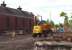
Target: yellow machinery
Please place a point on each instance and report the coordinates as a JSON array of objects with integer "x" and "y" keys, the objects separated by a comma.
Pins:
[
  {"x": 37, "y": 30},
  {"x": 46, "y": 26},
  {"x": 41, "y": 29}
]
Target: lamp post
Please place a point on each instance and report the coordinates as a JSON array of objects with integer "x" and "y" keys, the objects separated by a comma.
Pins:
[{"x": 50, "y": 15}]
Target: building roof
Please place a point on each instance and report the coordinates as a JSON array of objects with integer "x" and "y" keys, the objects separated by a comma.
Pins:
[{"x": 15, "y": 12}]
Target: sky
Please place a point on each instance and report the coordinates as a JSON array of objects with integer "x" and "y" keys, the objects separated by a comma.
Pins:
[{"x": 48, "y": 9}]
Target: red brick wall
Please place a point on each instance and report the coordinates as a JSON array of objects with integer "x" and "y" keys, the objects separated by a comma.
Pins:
[
  {"x": 13, "y": 23},
  {"x": 19, "y": 23},
  {"x": 3, "y": 21}
]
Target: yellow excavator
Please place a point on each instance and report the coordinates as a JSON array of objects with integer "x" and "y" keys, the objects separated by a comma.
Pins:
[{"x": 41, "y": 29}]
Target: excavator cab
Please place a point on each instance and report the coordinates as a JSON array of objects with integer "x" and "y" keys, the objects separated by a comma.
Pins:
[
  {"x": 41, "y": 29},
  {"x": 37, "y": 30}
]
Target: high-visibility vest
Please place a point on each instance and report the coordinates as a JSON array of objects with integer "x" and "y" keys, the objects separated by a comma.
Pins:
[{"x": 37, "y": 29}]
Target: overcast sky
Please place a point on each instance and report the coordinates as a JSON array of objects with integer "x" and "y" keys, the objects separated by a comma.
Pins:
[{"x": 48, "y": 9}]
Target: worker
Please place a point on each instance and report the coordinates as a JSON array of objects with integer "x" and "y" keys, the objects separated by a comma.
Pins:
[{"x": 61, "y": 28}]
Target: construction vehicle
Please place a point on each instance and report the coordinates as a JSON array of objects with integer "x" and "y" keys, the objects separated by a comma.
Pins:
[
  {"x": 37, "y": 30},
  {"x": 41, "y": 29},
  {"x": 45, "y": 29}
]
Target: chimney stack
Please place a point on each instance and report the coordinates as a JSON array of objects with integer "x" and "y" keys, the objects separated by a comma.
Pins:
[
  {"x": 3, "y": 4},
  {"x": 19, "y": 8}
]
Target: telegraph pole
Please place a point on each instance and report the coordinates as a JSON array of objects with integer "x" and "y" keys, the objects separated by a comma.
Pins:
[
  {"x": 50, "y": 15},
  {"x": 41, "y": 18}
]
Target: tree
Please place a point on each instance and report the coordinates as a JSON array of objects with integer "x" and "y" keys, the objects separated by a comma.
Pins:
[
  {"x": 63, "y": 14},
  {"x": 70, "y": 22},
  {"x": 52, "y": 23},
  {"x": 66, "y": 21},
  {"x": 47, "y": 21},
  {"x": 56, "y": 26}
]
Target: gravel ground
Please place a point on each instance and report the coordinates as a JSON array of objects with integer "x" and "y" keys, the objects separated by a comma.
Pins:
[{"x": 20, "y": 43}]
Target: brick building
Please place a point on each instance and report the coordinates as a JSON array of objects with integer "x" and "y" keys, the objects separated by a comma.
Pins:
[{"x": 15, "y": 19}]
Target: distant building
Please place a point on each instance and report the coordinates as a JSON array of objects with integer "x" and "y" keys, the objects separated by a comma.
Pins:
[{"x": 15, "y": 19}]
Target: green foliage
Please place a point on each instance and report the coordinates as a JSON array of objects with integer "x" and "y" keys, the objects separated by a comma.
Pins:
[
  {"x": 71, "y": 16},
  {"x": 52, "y": 23},
  {"x": 56, "y": 25},
  {"x": 70, "y": 23},
  {"x": 47, "y": 21},
  {"x": 65, "y": 19},
  {"x": 63, "y": 14}
]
